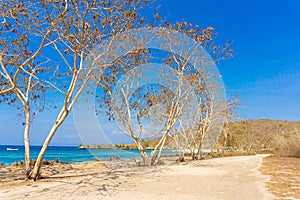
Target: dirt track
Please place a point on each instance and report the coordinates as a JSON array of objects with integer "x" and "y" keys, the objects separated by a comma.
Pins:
[{"x": 220, "y": 178}]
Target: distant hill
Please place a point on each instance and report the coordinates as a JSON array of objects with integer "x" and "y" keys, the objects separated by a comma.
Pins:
[
  {"x": 279, "y": 136},
  {"x": 266, "y": 126}
]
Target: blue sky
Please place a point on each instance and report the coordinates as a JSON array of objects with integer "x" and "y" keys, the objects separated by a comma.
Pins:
[{"x": 264, "y": 72}]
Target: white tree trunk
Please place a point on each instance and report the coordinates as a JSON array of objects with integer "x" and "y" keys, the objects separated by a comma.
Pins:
[
  {"x": 142, "y": 152},
  {"x": 27, "y": 141},
  {"x": 35, "y": 173}
]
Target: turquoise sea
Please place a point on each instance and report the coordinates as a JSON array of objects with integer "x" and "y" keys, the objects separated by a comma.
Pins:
[{"x": 13, "y": 153}]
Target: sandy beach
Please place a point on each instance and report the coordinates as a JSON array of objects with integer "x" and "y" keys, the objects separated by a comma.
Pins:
[{"x": 219, "y": 178}]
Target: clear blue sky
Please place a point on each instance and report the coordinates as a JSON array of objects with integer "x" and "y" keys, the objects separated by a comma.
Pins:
[{"x": 265, "y": 71}]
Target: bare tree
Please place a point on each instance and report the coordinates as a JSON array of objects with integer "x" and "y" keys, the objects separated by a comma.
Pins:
[
  {"x": 85, "y": 24},
  {"x": 52, "y": 45},
  {"x": 23, "y": 94},
  {"x": 173, "y": 83},
  {"x": 201, "y": 127},
  {"x": 231, "y": 107},
  {"x": 63, "y": 32},
  {"x": 21, "y": 61},
  {"x": 145, "y": 110}
]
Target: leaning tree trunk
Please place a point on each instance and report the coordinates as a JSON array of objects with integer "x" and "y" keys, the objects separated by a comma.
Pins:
[
  {"x": 159, "y": 146},
  {"x": 142, "y": 152},
  {"x": 27, "y": 141},
  {"x": 145, "y": 158},
  {"x": 35, "y": 173}
]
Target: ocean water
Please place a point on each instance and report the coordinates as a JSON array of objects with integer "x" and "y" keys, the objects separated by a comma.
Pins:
[{"x": 12, "y": 153}]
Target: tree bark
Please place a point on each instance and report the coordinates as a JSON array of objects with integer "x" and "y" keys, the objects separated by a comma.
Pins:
[
  {"x": 161, "y": 148},
  {"x": 200, "y": 152},
  {"x": 142, "y": 152},
  {"x": 27, "y": 141},
  {"x": 35, "y": 173}
]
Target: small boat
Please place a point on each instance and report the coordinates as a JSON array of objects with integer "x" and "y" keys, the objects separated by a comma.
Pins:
[{"x": 12, "y": 149}]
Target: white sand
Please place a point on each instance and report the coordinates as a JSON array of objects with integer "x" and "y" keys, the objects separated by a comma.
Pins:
[{"x": 220, "y": 178}]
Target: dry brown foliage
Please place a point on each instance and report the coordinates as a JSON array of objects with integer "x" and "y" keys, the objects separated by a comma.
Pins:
[{"x": 276, "y": 136}]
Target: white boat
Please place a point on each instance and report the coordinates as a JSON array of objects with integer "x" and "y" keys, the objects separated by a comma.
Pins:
[{"x": 12, "y": 149}]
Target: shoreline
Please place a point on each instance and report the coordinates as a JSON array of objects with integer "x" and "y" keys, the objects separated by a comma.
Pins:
[{"x": 70, "y": 154}]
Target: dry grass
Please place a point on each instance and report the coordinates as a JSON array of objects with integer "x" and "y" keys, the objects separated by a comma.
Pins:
[{"x": 284, "y": 175}]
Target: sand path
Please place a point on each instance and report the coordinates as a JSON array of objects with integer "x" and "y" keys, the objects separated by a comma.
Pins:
[{"x": 220, "y": 178}]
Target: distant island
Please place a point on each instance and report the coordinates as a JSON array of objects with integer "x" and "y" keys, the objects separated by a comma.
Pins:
[{"x": 147, "y": 144}]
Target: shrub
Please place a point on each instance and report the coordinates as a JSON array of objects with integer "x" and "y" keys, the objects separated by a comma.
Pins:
[{"x": 288, "y": 145}]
